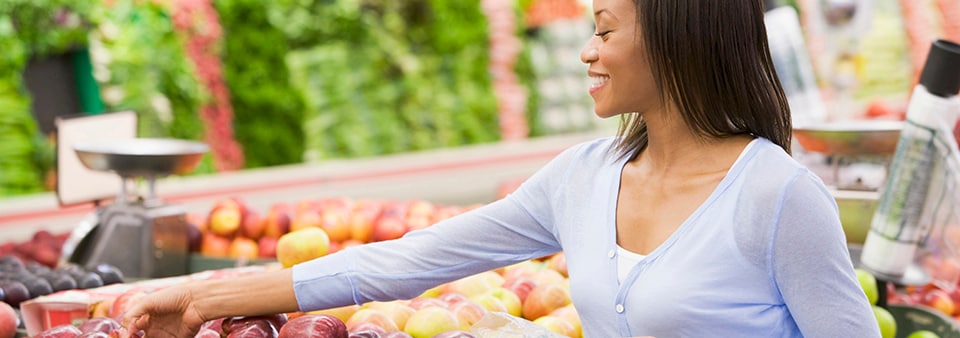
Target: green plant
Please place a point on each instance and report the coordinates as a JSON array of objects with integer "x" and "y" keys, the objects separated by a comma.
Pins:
[{"x": 268, "y": 112}]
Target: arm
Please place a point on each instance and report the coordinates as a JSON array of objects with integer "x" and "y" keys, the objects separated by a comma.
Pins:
[
  {"x": 178, "y": 311},
  {"x": 812, "y": 265}
]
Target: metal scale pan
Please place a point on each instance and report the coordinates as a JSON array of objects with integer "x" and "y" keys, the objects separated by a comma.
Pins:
[{"x": 143, "y": 237}]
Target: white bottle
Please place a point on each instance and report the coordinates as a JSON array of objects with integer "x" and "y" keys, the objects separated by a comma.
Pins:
[{"x": 897, "y": 231}]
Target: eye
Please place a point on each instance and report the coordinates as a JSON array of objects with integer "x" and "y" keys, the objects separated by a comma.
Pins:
[{"x": 602, "y": 34}]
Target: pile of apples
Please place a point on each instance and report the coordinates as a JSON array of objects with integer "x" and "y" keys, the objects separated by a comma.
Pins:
[{"x": 233, "y": 229}]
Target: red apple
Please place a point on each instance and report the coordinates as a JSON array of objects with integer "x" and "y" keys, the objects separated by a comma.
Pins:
[
  {"x": 545, "y": 298},
  {"x": 569, "y": 314},
  {"x": 214, "y": 245},
  {"x": 305, "y": 219},
  {"x": 207, "y": 333},
  {"x": 452, "y": 298},
  {"x": 343, "y": 313},
  {"x": 267, "y": 247},
  {"x": 398, "y": 311},
  {"x": 255, "y": 328},
  {"x": 521, "y": 286},
  {"x": 277, "y": 220},
  {"x": 940, "y": 300},
  {"x": 253, "y": 225},
  {"x": 60, "y": 331},
  {"x": 8, "y": 321},
  {"x": 100, "y": 324},
  {"x": 423, "y": 302},
  {"x": 474, "y": 284},
  {"x": 242, "y": 247},
  {"x": 388, "y": 227},
  {"x": 335, "y": 221},
  {"x": 362, "y": 219},
  {"x": 124, "y": 301},
  {"x": 321, "y": 326}
]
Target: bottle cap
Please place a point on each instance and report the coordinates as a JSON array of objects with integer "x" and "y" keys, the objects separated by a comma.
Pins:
[{"x": 941, "y": 72}]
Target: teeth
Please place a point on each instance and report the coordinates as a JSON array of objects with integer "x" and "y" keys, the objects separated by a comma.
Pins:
[{"x": 598, "y": 80}]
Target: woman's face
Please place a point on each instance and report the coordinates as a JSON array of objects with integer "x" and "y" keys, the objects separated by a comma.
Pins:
[{"x": 618, "y": 67}]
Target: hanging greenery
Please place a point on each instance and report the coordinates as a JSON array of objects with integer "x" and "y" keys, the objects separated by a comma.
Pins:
[
  {"x": 268, "y": 111},
  {"x": 381, "y": 77}
]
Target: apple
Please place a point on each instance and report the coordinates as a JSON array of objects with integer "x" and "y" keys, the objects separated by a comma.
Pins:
[
  {"x": 423, "y": 302},
  {"x": 124, "y": 301},
  {"x": 557, "y": 325},
  {"x": 468, "y": 313},
  {"x": 868, "y": 283},
  {"x": 520, "y": 285},
  {"x": 431, "y": 321},
  {"x": 452, "y": 298},
  {"x": 334, "y": 219},
  {"x": 398, "y": 311},
  {"x": 194, "y": 237},
  {"x": 267, "y": 247},
  {"x": 248, "y": 327},
  {"x": 367, "y": 329},
  {"x": 60, "y": 331},
  {"x": 301, "y": 246},
  {"x": 304, "y": 220},
  {"x": 207, "y": 333},
  {"x": 277, "y": 220},
  {"x": 198, "y": 220},
  {"x": 309, "y": 325},
  {"x": 362, "y": 219},
  {"x": 101, "y": 308},
  {"x": 558, "y": 262},
  {"x": 243, "y": 247},
  {"x": 475, "y": 284},
  {"x": 888, "y": 323},
  {"x": 545, "y": 298},
  {"x": 343, "y": 313},
  {"x": 253, "y": 225},
  {"x": 214, "y": 245},
  {"x": 8, "y": 321},
  {"x": 547, "y": 276},
  {"x": 225, "y": 218},
  {"x": 386, "y": 228},
  {"x": 418, "y": 222},
  {"x": 527, "y": 269},
  {"x": 375, "y": 316},
  {"x": 509, "y": 301},
  {"x": 569, "y": 313},
  {"x": 940, "y": 300},
  {"x": 100, "y": 324},
  {"x": 420, "y": 208}
]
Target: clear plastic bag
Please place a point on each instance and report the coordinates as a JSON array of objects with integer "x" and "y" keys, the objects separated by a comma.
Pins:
[{"x": 502, "y": 325}]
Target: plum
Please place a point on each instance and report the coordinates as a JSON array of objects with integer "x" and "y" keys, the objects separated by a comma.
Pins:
[
  {"x": 109, "y": 274},
  {"x": 38, "y": 287},
  {"x": 89, "y": 280},
  {"x": 314, "y": 325},
  {"x": 14, "y": 292}
]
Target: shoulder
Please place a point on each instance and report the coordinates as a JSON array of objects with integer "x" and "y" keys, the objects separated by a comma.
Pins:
[{"x": 770, "y": 174}]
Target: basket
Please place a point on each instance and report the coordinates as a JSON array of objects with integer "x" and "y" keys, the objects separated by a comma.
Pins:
[{"x": 912, "y": 318}]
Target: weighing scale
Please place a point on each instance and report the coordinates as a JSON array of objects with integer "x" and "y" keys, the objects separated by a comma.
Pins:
[{"x": 140, "y": 234}]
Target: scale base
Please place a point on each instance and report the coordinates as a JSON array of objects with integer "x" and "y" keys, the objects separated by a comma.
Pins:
[{"x": 141, "y": 241}]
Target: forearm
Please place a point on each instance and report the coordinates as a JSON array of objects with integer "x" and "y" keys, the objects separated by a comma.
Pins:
[{"x": 259, "y": 294}]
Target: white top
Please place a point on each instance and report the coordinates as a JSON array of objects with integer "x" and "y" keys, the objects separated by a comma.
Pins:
[{"x": 626, "y": 260}]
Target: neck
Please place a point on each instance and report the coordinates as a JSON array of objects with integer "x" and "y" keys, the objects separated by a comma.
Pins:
[{"x": 675, "y": 149}]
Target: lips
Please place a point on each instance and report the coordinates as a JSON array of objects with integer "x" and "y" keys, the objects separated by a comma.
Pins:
[{"x": 597, "y": 81}]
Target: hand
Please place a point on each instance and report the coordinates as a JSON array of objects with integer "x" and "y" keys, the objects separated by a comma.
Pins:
[{"x": 169, "y": 312}]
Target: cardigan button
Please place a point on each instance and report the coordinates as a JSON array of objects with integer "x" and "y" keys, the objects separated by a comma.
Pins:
[
  {"x": 611, "y": 253},
  {"x": 619, "y": 308}
]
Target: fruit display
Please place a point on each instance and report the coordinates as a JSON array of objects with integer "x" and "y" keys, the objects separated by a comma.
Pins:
[
  {"x": 233, "y": 229},
  {"x": 927, "y": 305}
]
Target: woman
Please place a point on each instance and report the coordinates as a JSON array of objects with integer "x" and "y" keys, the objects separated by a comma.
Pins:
[{"x": 693, "y": 222}]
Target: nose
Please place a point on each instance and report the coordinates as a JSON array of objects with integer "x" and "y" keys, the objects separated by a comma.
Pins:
[{"x": 589, "y": 53}]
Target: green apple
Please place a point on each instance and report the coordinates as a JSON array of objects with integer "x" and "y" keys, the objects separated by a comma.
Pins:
[
  {"x": 923, "y": 334},
  {"x": 888, "y": 325},
  {"x": 869, "y": 285}
]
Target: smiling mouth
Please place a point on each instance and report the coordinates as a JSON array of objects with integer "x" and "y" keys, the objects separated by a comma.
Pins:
[{"x": 597, "y": 81}]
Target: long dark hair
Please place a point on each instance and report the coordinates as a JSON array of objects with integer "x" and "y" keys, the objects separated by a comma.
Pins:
[{"x": 711, "y": 59}]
